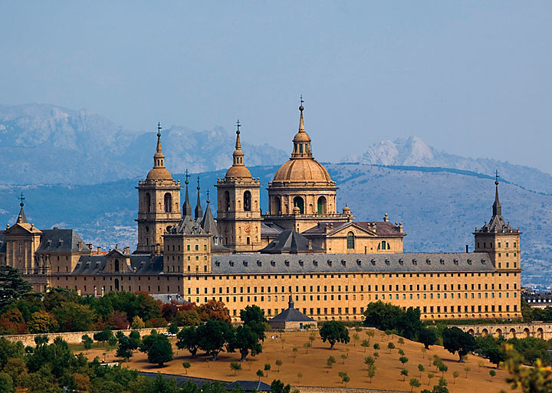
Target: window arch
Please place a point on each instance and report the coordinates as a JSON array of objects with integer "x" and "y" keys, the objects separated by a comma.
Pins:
[
  {"x": 276, "y": 205},
  {"x": 227, "y": 200},
  {"x": 298, "y": 202},
  {"x": 322, "y": 205},
  {"x": 147, "y": 202},
  {"x": 116, "y": 284},
  {"x": 116, "y": 265},
  {"x": 350, "y": 241},
  {"x": 168, "y": 203},
  {"x": 247, "y": 201}
]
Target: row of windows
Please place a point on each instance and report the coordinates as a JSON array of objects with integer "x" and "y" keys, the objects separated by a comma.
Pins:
[
  {"x": 499, "y": 245},
  {"x": 188, "y": 248}
]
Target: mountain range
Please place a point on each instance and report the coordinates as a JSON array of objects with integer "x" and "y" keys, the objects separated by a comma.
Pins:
[{"x": 61, "y": 160}]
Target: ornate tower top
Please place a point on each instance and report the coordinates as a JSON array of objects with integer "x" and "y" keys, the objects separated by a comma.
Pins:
[
  {"x": 238, "y": 169},
  {"x": 497, "y": 224},
  {"x": 187, "y": 206},
  {"x": 198, "y": 209},
  {"x": 159, "y": 172},
  {"x": 301, "y": 141},
  {"x": 21, "y": 218}
]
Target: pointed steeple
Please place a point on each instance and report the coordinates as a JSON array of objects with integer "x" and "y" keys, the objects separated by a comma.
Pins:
[
  {"x": 187, "y": 206},
  {"x": 238, "y": 169},
  {"x": 198, "y": 209},
  {"x": 497, "y": 209},
  {"x": 21, "y": 218},
  {"x": 208, "y": 223},
  {"x": 159, "y": 172},
  {"x": 301, "y": 141}
]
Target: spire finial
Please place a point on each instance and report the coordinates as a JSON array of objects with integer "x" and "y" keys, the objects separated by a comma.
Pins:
[
  {"x": 159, "y": 137},
  {"x": 301, "y": 123},
  {"x": 238, "y": 142},
  {"x": 198, "y": 209},
  {"x": 496, "y": 177},
  {"x": 22, "y": 199},
  {"x": 208, "y": 200},
  {"x": 187, "y": 175},
  {"x": 497, "y": 209},
  {"x": 198, "y": 182}
]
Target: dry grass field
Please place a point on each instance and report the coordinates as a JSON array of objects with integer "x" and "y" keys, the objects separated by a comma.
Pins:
[{"x": 314, "y": 372}]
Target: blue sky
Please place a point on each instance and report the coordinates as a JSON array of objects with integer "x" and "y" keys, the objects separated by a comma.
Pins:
[{"x": 470, "y": 78}]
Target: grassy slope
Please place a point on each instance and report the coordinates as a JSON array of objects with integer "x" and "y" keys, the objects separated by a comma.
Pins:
[{"x": 315, "y": 373}]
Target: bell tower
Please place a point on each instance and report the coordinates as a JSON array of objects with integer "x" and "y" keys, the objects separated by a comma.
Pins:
[
  {"x": 239, "y": 211},
  {"x": 158, "y": 204},
  {"x": 499, "y": 239}
]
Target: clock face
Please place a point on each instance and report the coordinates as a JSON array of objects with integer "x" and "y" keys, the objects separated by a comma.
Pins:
[{"x": 247, "y": 228}]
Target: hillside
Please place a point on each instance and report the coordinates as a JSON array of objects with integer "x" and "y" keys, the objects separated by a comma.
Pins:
[
  {"x": 439, "y": 208},
  {"x": 314, "y": 372}
]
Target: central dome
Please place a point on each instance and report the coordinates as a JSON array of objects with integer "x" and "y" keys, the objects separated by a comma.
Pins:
[{"x": 302, "y": 170}]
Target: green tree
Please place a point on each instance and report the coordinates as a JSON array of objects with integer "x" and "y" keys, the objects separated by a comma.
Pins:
[
  {"x": 186, "y": 366},
  {"x": 404, "y": 373},
  {"x": 455, "y": 375},
  {"x": 254, "y": 317},
  {"x": 188, "y": 339},
  {"x": 376, "y": 346},
  {"x": 42, "y": 322},
  {"x": 12, "y": 286},
  {"x": 299, "y": 376},
  {"x": 382, "y": 316},
  {"x": 213, "y": 336},
  {"x": 6, "y": 383},
  {"x": 158, "y": 348},
  {"x": 492, "y": 373},
  {"x": 400, "y": 341},
  {"x": 421, "y": 369},
  {"x": 294, "y": 352},
  {"x": 74, "y": 317},
  {"x": 344, "y": 357},
  {"x": 307, "y": 345},
  {"x": 260, "y": 374},
  {"x": 467, "y": 369},
  {"x": 137, "y": 323},
  {"x": 390, "y": 346},
  {"x": 278, "y": 363},
  {"x": 455, "y": 340},
  {"x": 267, "y": 368},
  {"x": 414, "y": 383},
  {"x": 173, "y": 328},
  {"x": 127, "y": 345},
  {"x": 278, "y": 387},
  {"x": 369, "y": 360},
  {"x": 330, "y": 361},
  {"x": 365, "y": 344},
  {"x": 104, "y": 336},
  {"x": 87, "y": 341},
  {"x": 235, "y": 366},
  {"x": 334, "y": 331},
  {"x": 245, "y": 339},
  {"x": 427, "y": 337},
  {"x": 371, "y": 371},
  {"x": 429, "y": 378},
  {"x": 356, "y": 337},
  {"x": 403, "y": 360}
]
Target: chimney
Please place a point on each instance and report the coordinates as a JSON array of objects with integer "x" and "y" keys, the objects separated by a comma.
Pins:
[
  {"x": 365, "y": 249},
  {"x": 79, "y": 245},
  {"x": 126, "y": 250},
  {"x": 310, "y": 244},
  {"x": 467, "y": 248},
  {"x": 98, "y": 250}
]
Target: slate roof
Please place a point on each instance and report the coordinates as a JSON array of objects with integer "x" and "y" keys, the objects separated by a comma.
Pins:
[
  {"x": 351, "y": 263},
  {"x": 62, "y": 241},
  {"x": 140, "y": 264},
  {"x": 269, "y": 229},
  {"x": 249, "y": 386},
  {"x": 497, "y": 224},
  {"x": 379, "y": 228},
  {"x": 291, "y": 314},
  {"x": 292, "y": 242}
]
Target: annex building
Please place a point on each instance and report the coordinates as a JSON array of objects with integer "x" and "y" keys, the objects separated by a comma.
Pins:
[{"x": 304, "y": 247}]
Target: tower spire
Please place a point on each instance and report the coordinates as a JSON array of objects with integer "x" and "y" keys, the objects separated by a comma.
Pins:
[
  {"x": 159, "y": 157},
  {"x": 301, "y": 123},
  {"x": 187, "y": 207},
  {"x": 238, "y": 153},
  {"x": 497, "y": 209},
  {"x": 198, "y": 209},
  {"x": 21, "y": 218}
]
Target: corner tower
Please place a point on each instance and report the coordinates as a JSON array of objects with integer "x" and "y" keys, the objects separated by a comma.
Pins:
[
  {"x": 239, "y": 211},
  {"x": 302, "y": 193},
  {"x": 499, "y": 239},
  {"x": 158, "y": 204}
]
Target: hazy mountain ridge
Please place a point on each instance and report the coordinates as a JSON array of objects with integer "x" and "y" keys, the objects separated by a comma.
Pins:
[
  {"x": 439, "y": 209},
  {"x": 46, "y": 144},
  {"x": 413, "y": 151}
]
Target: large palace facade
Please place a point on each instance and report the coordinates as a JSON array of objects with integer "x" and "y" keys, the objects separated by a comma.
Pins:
[{"x": 302, "y": 247}]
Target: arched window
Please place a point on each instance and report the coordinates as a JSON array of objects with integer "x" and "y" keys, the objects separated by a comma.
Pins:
[
  {"x": 227, "y": 200},
  {"x": 322, "y": 205},
  {"x": 350, "y": 241},
  {"x": 116, "y": 265},
  {"x": 147, "y": 202},
  {"x": 298, "y": 202},
  {"x": 276, "y": 205},
  {"x": 116, "y": 284},
  {"x": 247, "y": 201},
  {"x": 168, "y": 203}
]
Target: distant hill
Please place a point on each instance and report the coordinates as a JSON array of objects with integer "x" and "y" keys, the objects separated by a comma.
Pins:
[
  {"x": 438, "y": 207},
  {"x": 413, "y": 152},
  {"x": 46, "y": 144}
]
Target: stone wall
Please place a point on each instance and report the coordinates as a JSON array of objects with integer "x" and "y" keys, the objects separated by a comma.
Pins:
[
  {"x": 540, "y": 330},
  {"x": 70, "y": 337}
]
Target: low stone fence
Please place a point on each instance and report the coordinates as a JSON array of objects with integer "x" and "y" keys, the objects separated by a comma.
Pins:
[
  {"x": 71, "y": 337},
  {"x": 542, "y": 330},
  {"x": 320, "y": 389}
]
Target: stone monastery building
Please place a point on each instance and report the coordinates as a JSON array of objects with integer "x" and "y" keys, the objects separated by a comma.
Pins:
[{"x": 303, "y": 247}]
